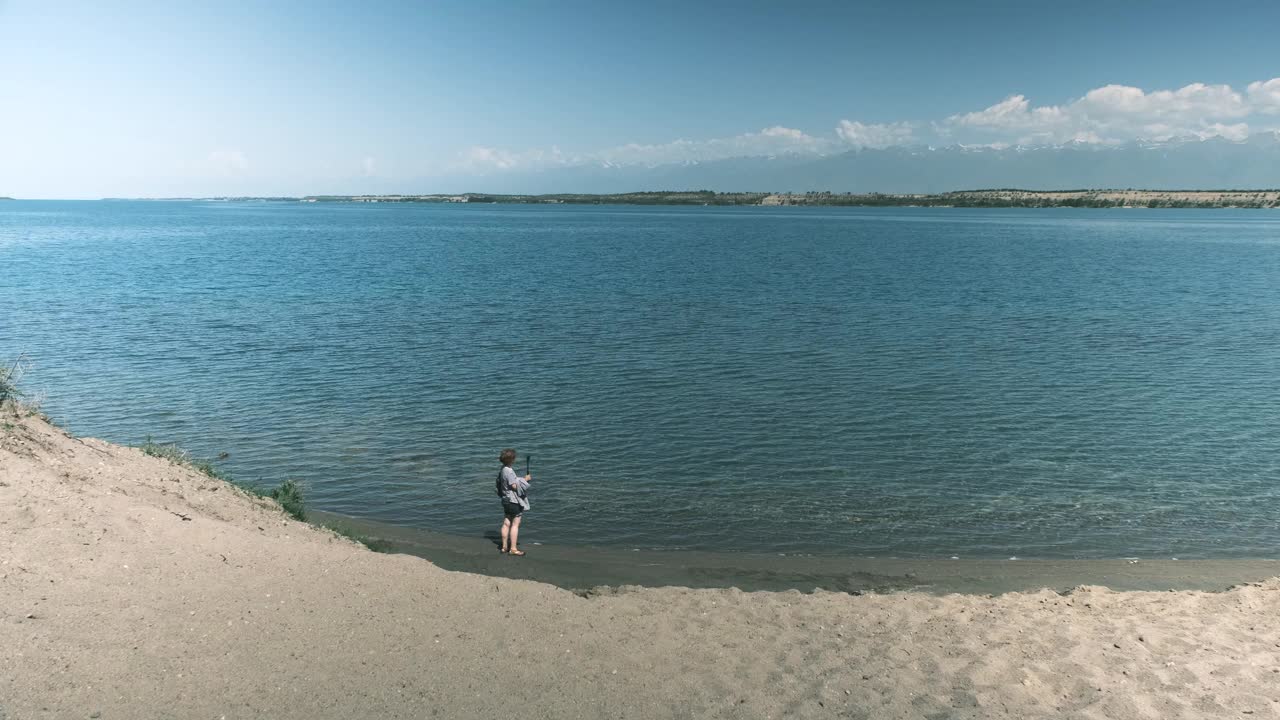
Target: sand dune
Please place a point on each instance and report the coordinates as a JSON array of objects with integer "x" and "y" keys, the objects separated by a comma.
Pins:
[{"x": 134, "y": 588}]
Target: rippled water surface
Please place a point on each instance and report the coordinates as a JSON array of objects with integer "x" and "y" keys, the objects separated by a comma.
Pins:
[{"x": 911, "y": 382}]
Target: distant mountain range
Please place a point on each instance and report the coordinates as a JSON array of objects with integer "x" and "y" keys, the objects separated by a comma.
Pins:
[{"x": 1214, "y": 163}]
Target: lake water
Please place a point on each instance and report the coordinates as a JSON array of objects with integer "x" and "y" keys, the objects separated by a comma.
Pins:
[{"x": 871, "y": 382}]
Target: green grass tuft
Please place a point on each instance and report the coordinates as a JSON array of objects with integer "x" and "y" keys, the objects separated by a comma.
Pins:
[
  {"x": 207, "y": 467},
  {"x": 176, "y": 455},
  {"x": 289, "y": 495},
  {"x": 166, "y": 451},
  {"x": 9, "y": 392},
  {"x": 12, "y": 398}
]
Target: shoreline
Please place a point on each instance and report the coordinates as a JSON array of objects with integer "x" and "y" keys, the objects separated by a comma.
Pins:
[
  {"x": 586, "y": 569},
  {"x": 1098, "y": 198},
  {"x": 131, "y": 586}
]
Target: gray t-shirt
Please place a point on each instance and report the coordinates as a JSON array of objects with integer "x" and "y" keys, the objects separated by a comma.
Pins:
[{"x": 515, "y": 489}]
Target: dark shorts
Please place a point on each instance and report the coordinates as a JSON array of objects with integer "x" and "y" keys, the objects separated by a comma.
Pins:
[{"x": 510, "y": 510}]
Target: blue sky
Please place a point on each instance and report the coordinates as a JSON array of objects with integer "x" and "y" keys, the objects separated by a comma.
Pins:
[{"x": 163, "y": 99}]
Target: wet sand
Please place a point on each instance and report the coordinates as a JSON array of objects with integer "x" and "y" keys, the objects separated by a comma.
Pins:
[
  {"x": 586, "y": 569},
  {"x": 134, "y": 588}
]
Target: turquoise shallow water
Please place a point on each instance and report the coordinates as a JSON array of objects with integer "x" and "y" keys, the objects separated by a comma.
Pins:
[{"x": 906, "y": 382}]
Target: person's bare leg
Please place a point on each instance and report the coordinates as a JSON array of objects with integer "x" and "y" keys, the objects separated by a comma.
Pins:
[
  {"x": 506, "y": 530},
  {"x": 515, "y": 535}
]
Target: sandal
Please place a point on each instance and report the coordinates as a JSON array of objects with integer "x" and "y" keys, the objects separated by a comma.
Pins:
[{"x": 517, "y": 553}]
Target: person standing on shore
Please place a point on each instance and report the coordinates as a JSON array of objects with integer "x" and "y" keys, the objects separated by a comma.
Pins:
[{"x": 514, "y": 491}]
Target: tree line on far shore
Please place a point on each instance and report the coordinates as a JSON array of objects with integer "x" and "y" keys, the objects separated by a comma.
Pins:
[{"x": 986, "y": 198}]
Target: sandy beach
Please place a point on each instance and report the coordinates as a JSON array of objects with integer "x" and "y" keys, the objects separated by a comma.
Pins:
[{"x": 135, "y": 588}]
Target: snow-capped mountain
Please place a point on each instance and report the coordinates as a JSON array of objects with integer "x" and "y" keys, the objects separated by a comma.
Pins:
[{"x": 1184, "y": 163}]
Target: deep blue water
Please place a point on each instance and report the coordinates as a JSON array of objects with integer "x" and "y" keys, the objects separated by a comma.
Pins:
[{"x": 911, "y": 382}]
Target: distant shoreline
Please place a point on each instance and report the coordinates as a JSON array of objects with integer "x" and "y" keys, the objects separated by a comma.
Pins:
[{"x": 986, "y": 198}]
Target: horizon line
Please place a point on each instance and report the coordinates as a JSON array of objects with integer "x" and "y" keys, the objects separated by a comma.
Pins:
[{"x": 700, "y": 191}]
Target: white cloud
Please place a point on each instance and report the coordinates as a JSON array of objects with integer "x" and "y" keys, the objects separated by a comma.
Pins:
[
  {"x": 1012, "y": 113},
  {"x": 1235, "y": 132},
  {"x": 482, "y": 159},
  {"x": 1116, "y": 113},
  {"x": 1108, "y": 114},
  {"x": 1265, "y": 96},
  {"x": 1192, "y": 102},
  {"x": 774, "y": 140},
  {"x": 228, "y": 162},
  {"x": 784, "y": 132},
  {"x": 875, "y": 135},
  {"x": 369, "y": 165}
]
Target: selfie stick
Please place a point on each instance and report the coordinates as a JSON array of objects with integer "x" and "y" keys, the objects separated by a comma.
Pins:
[{"x": 526, "y": 464}]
